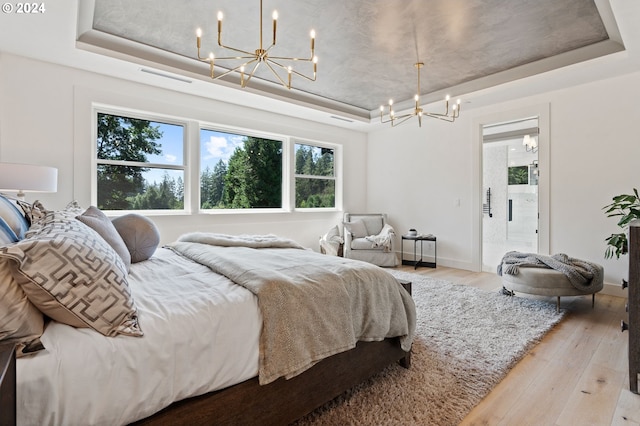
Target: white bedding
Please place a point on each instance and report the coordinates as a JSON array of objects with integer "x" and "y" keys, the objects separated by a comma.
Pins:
[
  {"x": 190, "y": 347},
  {"x": 296, "y": 287}
]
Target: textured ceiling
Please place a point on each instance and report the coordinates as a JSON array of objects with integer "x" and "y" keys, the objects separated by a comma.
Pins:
[{"x": 367, "y": 48}]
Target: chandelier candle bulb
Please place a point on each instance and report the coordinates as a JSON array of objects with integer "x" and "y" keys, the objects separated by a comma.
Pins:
[{"x": 275, "y": 20}]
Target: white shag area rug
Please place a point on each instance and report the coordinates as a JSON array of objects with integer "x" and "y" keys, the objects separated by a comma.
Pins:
[{"x": 466, "y": 342}]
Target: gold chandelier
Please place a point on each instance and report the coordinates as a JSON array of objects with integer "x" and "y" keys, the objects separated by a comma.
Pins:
[
  {"x": 396, "y": 120},
  {"x": 259, "y": 56}
]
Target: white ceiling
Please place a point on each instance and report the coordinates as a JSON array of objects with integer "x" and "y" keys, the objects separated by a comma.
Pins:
[{"x": 367, "y": 48}]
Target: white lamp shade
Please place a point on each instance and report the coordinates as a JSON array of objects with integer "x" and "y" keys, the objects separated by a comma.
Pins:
[{"x": 28, "y": 178}]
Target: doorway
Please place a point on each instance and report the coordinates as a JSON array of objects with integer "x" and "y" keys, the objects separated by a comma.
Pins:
[{"x": 510, "y": 195}]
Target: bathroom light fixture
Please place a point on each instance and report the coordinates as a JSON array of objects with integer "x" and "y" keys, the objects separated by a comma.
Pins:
[
  {"x": 418, "y": 111},
  {"x": 259, "y": 56},
  {"x": 530, "y": 144}
]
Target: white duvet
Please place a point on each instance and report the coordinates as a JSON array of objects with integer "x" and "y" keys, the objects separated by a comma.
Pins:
[{"x": 201, "y": 333}]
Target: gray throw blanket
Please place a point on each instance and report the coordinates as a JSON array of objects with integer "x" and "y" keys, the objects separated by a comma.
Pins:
[
  {"x": 312, "y": 305},
  {"x": 580, "y": 273}
]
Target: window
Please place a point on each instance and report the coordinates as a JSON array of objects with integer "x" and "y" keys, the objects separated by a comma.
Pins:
[
  {"x": 144, "y": 161},
  {"x": 314, "y": 176},
  {"x": 518, "y": 175},
  {"x": 139, "y": 164},
  {"x": 239, "y": 171}
]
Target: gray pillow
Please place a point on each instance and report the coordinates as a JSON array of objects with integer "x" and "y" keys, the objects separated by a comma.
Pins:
[
  {"x": 357, "y": 228},
  {"x": 99, "y": 222},
  {"x": 139, "y": 234}
]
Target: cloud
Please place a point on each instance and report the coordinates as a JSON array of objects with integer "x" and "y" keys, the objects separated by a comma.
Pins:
[
  {"x": 170, "y": 158},
  {"x": 221, "y": 147}
]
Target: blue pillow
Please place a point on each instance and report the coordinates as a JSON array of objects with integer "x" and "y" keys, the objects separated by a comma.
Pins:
[
  {"x": 13, "y": 218},
  {"x": 7, "y": 236}
]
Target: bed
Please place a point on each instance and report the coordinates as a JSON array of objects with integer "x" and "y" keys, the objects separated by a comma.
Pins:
[{"x": 197, "y": 344}]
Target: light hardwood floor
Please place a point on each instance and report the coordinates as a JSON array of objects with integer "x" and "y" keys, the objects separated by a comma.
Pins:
[{"x": 577, "y": 375}]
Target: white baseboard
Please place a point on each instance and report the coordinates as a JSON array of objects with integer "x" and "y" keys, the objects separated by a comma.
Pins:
[
  {"x": 467, "y": 266},
  {"x": 611, "y": 289}
]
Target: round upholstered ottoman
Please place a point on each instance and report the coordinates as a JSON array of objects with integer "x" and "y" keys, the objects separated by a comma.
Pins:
[{"x": 548, "y": 282}]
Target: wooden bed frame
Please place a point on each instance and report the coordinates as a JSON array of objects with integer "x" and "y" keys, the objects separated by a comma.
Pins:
[
  {"x": 7, "y": 384},
  {"x": 284, "y": 401},
  {"x": 278, "y": 403}
]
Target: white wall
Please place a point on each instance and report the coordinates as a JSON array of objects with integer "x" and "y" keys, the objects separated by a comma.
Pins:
[
  {"x": 422, "y": 177},
  {"x": 417, "y": 175},
  {"x": 46, "y": 119}
]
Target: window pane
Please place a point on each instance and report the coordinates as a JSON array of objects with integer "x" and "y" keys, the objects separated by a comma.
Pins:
[
  {"x": 314, "y": 160},
  {"x": 132, "y": 139},
  {"x": 137, "y": 188},
  {"x": 312, "y": 164},
  {"x": 130, "y": 186},
  {"x": 239, "y": 171},
  {"x": 313, "y": 193}
]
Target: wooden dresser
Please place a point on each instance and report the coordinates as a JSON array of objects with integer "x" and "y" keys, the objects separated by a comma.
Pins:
[
  {"x": 633, "y": 305},
  {"x": 7, "y": 385}
]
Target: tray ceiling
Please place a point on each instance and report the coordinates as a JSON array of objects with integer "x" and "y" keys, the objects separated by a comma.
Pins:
[{"x": 366, "y": 48}]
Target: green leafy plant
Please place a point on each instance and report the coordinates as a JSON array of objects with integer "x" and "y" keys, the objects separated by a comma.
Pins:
[{"x": 627, "y": 207}]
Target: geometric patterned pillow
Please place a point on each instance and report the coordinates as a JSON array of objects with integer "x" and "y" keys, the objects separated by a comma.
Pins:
[
  {"x": 32, "y": 211},
  {"x": 71, "y": 274}
]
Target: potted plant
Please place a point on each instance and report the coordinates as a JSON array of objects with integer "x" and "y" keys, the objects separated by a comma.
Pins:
[{"x": 627, "y": 206}]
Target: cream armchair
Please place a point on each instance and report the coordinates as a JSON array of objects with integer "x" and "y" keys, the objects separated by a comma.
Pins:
[{"x": 368, "y": 237}]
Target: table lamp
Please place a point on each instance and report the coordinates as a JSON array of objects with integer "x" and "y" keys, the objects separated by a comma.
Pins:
[{"x": 23, "y": 178}]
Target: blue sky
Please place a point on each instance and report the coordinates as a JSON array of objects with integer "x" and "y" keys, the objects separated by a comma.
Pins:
[{"x": 214, "y": 146}]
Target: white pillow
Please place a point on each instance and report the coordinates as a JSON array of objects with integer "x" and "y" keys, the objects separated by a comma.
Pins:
[
  {"x": 20, "y": 321},
  {"x": 333, "y": 235}
]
